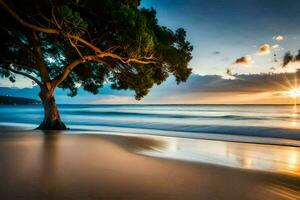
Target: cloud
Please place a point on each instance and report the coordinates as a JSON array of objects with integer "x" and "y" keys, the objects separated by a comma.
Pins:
[
  {"x": 245, "y": 88},
  {"x": 278, "y": 37},
  {"x": 290, "y": 59},
  {"x": 275, "y": 46},
  {"x": 243, "y": 83},
  {"x": 216, "y": 53},
  {"x": 244, "y": 60},
  {"x": 264, "y": 49}
]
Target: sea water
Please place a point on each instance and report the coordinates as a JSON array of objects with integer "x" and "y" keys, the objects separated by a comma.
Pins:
[{"x": 268, "y": 121}]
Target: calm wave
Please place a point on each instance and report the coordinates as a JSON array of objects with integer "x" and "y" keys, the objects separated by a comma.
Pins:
[{"x": 279, "y": 121}]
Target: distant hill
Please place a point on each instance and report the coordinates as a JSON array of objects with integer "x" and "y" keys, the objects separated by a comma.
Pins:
[
  {"x": 61, "y": 95},
  {"x": 9, "y": 100},
  {"x": 20, "y": 92}
]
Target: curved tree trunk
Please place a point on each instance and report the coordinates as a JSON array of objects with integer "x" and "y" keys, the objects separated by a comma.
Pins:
[{"x": 52, "y": 120}]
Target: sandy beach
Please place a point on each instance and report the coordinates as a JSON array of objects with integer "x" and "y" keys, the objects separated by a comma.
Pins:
[{"x": 90, "y": 166}]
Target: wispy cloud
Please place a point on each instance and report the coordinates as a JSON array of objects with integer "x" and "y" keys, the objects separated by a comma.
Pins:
[{"x": 275, "y": 46}]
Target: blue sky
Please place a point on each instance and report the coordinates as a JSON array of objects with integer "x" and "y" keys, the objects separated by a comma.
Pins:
[
  {"x": 234, "y": 28},
  {"x": 221, "y": 32}
]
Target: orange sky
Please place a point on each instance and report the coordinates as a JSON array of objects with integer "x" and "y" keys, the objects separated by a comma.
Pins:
[{"x": 226, "y": 98}]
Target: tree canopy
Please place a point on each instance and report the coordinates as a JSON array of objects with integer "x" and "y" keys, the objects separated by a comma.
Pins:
[{"x": 67, "y": 44}]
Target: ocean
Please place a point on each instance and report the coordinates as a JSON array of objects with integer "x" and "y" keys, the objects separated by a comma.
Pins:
[{"x": 229, "y": 122}]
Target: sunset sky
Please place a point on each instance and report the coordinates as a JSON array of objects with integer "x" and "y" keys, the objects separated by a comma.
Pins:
[{"x": 234, "y": 42}]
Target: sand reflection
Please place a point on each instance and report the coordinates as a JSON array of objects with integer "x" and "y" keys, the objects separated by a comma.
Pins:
[
  {"x": 49, "y": 160},
  {"x": 281, "y": 159}
]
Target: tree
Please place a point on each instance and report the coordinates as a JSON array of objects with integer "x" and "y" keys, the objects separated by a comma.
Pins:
[{"x": 87, "y": 43}]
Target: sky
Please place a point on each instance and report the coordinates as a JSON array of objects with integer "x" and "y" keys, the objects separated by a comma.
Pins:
[
  {"x": 238, "y": 51},
  {"x": 224, "y": 30}
]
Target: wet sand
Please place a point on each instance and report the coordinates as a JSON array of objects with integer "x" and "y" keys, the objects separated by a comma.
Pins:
[{"x": 90, "y": 167}]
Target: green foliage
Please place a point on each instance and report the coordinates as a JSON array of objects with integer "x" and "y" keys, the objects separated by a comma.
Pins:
[
  {"x": 71, "y": 21},
  {"x": 119, "y": 26}
]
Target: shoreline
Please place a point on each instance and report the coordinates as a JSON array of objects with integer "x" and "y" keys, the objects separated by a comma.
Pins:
[
  {"x": 247, "y": 139},
  {"x": 90, "y": 166},
  {"x": 206, "y": 136}
]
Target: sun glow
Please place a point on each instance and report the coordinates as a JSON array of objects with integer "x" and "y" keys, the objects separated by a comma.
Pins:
[{"x": 295, "y": 93}]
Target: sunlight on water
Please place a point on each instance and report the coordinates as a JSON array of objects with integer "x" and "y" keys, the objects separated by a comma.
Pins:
[
  {"x": 281, "y": 159},
  {"x": 295, "y": 116}
]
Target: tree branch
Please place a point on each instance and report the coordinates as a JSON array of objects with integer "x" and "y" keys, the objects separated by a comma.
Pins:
[
  {"x": 45, "y": 30},
  {"x": 24, "y": 23},
  {"x": 96, "y": 49},
  {"x": 27, "y": 66},
  {"x": 95, "y": 58},
  {"x": 23, "y": 74},
  {"x": 101, "y": 54},
  {"x": 39, "y": 57},
  {"x": 71, "y": 36},
  {"x": 141, "y": 60},
  {"x": 67, "y": 70}
]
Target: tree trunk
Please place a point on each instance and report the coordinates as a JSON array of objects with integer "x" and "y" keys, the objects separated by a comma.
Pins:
[{"x": 52, "y": 120}]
